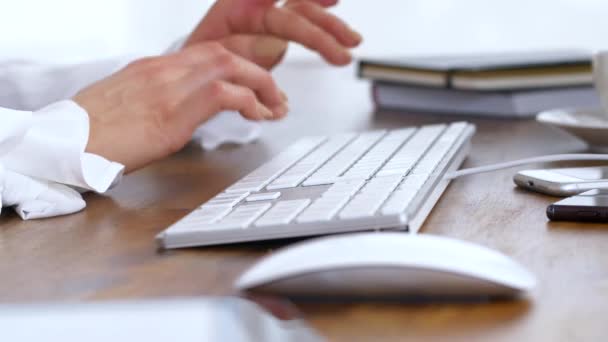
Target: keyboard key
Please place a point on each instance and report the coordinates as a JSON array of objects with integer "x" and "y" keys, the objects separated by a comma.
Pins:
[
  {"x": 370, "y": 198},
  {"x": 241, "y": 217},
  {"x": 282, "y": 212},
  {"x": 266, "y": 173},
  {"x": 201, "y": 217},
  {"x": 437, "y": 153},
  {"x": 379, "y": 154},
  {"x": 330, "y": 172},
  {"x": 406, "y": 191},
  {"x": 226, "y": 199},
  {"x": 305, "y": 167},
  {"x": 266, "y": 196},
  {"x": 325, "y": 207},
  {"x": 404, "y": 160},
  {"x": 398, "y": 202}
]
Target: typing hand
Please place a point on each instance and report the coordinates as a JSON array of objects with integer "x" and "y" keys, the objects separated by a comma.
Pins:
[
  {"x": 150, "y": 109},
  {"x": 258, "y": 30}
]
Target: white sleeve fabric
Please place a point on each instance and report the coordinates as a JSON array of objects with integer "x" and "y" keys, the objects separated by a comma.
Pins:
[
  {"x": 53, "y": 149},
  {"x": 27, "y": 85},
  {"x": 31, "y": 85},
  {"x": 44, "y": 151},
  {"x": 35, "y": 198}
]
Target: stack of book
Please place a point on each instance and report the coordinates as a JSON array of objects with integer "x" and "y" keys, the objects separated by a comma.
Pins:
[{"x": 506, "y": 85}]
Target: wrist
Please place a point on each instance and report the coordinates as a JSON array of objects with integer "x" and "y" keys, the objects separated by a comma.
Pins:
[{"x": 100, "y": 138}]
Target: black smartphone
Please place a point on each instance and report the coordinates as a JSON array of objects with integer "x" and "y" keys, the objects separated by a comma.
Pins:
[{"x": 590, "y": 206}]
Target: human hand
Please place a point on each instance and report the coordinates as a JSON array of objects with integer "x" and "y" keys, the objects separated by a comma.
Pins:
[
  {"x": 259, "y": 31},
  {"x": 150, "y": 109}
]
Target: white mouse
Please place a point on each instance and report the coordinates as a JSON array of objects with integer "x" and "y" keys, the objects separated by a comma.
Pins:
[{"x": 386, "y": 265}]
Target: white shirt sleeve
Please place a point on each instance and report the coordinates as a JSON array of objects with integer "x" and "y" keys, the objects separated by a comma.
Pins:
[
  {"x": 27, "y": 85},
  {"x": 40, "y": 152},
  {"x": 53, "y": 149}
]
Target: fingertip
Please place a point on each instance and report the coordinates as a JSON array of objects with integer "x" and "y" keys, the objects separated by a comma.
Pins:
[
  {"x": 281, "y": 116},
  {"x": 252, "y": 118},
  {"x": 343, "y": 57},
  {"x": 350, "y": 38},
  {"x": 264, "y": 113},
  {"x": 357, "y": 38},
  {"x": 280, "y": 111}
]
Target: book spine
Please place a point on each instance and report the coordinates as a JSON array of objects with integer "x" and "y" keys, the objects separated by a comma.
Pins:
[
  {"x": 442, "y": 101},
  {"x": 490, "y": 104},
  {"x": 360, "y": 67}
]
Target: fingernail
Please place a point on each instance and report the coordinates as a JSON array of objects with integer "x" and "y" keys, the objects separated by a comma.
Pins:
[
  {"x": 283, "y": 96},
  {"x": 265, "y": 112},
  {"x": 358, "y": 37},
  {"x": 346, "y": 57},
  {"x": 281, "y": 110}
]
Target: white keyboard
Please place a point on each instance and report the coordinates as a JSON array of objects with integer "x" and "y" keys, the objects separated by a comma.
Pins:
[{"x": 376, "y": 180}]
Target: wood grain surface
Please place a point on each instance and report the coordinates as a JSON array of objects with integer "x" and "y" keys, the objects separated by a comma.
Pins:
[{"x": 108, "y": 252}]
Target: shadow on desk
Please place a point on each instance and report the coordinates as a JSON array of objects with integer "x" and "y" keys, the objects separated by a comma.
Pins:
[{"x": 375, "y": 320}]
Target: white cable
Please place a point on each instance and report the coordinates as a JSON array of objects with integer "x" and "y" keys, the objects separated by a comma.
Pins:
[{"x": 533, "y": 160}]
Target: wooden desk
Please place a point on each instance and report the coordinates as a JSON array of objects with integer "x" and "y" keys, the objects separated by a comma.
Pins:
[{"x": 108, "y": 250}]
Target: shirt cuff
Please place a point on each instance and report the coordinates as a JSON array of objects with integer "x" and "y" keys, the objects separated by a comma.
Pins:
[
  {"x": 53, "y": 149},
  {"x": 34, "y": 198}
]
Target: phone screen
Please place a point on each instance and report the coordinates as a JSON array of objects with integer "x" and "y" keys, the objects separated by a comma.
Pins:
[
  {"x": 590, "y": 206},
  {"x": 586, "y": 173},
  {"x": 592, "y": 198}
]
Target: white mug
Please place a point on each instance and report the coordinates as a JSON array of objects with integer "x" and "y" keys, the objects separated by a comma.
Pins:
[{"x": 600, "y": 77}]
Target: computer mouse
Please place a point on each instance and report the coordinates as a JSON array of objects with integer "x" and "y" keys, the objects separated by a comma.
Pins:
[{"x": 385, "y": 264}]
